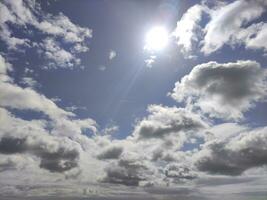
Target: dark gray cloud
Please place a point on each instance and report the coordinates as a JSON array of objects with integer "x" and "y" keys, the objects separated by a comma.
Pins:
[
  {"x": 112, "y": 152},
  {"x": 223, "y": 90},
  {"x": 126, "y": 171},
  {"x": 234, "y": 155},
  {"x": 60, "y": 159},
  {"x": 179, "y": 172},
  {"x": 10, "y": 145}
]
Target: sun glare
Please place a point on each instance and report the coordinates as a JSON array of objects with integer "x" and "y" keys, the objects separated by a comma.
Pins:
[{"x": 156, "y": 39}]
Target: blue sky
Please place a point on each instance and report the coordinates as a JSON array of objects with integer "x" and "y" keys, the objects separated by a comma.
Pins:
[{"x": 85, "y": 103}]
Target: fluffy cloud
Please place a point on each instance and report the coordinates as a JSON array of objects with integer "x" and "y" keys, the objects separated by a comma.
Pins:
[
  {"x": 28, "y": 82},
  {"x": 223, "y": 90},
  {"x": 59, "y": 57},
  {"x": 56, "y": 152},
  {"x": 19, "y": 136},
  {"x": 15, "y": 97},
  {"x": 28, "y": 14},
  {"x": 112, "y": 152},
  {"x": 128, "y": 170},
  {"x": 231, "y": 23},
  {"x": 161, "y": 135},
  {"x": 60, "y": 160},
  {"x": 166, "y": 121},
  {"x": 179, "y": 171},
  {"x": 234, "y": 155},
  {"x": 227, "y": 21},
  {"x": 188, "y": 30},
  {"x": 112, "y": 55}
]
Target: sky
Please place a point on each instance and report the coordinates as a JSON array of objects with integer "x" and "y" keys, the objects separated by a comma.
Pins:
[{"x": 151, "y": 99}]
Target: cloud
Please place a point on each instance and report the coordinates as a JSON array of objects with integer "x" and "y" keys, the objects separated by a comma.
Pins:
[
  {"x": 29, "y": 82},
  {"x": 188, "y": 30},
  {"x": 11, "y": 163},
  {"x": 19, "y": 136},
  {"x": 15, "y": 97},
  {"x": 112, "y": 54},
  {"x": 165, "y": 121},
  {"x": 179, "y": 172},
  {"x": 59, "y": 57},
  {"x": 228, "y": 21},
  {"x": 234, "y": 155},
  {"x": 234, "y": 23},
  {"x": 149, "y": 62},
  {"x": 47, "y": 138},
  {"x": 59, "y": 159},
  {"x": 128, "y": 170},
  {"x": 112, "y": 152},
  {"x": 223, "y": 90},
  {"x": 102, "y": 67},
  {"x": 28, "y": 15}
]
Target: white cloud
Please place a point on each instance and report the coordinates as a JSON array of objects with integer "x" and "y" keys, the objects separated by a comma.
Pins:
[
  {"x": 224, "y": 90},
  {"x": 29, "y": 82},
  {"x": 16, "y": 97},
  {"x": 188, "y": 30},
  {"x": 149, "y": 62},
  {"x": 27, "y": 13},
  {"x": 163, "y": 122},
  {"x": 112, "y": 54},
  {"x": 232, "y": 23},
  {"x": 227, "y": 21},
  {"x": 59, "y": 57}
]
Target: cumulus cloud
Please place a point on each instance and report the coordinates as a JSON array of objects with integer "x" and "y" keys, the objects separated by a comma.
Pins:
[
  {"x": 234, "y": 155},
  {"x": 58, "y": 56},
  {"x": 228, "y": 21},
  {"x": 161, "y": 135},
  {"x": 224, "y": 90},
  {"x": 128, "y": 170},
  {"x": 112, "y": 152},
  {"x": 179, "y": 172},
  {"x": 165, "y": 121},
  {"x": 232, "y": 23},
  {"x": 44, "y": 138},
  {"x": 18, "y": 136},
  {"x": 55, "y": 160},
  {"x": 28, "y": 14},
  {"x": 188, "y": 30},
  {"x": 15, "y": 97}
]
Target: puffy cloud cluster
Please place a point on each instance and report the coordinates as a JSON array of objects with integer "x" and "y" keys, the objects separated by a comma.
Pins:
[
  {"x": 43, "y": 138},
  {"x": 188, "y": 31},
  {"x": 164, "y": 122},
  {"x": 169, "y": 147},
  {"x": 128, "y": 170},
  {"x": 234, "y": 155},
  {"x": 230, "y": 23},
  {"x": 223, "y": 90},
  {"x": 28, "y": 15},
  {"x": 152, "y": 153}
]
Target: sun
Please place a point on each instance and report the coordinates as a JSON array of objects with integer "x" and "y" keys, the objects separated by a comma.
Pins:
[{"x": 156, "y": 39}]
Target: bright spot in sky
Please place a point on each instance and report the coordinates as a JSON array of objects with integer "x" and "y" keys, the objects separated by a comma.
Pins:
[{"x": 156, "y": 39}]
